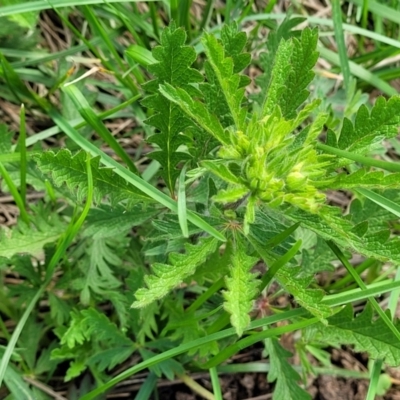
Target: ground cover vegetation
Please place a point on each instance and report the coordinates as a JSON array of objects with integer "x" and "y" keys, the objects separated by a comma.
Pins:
[{"x": 183, "y": 181}]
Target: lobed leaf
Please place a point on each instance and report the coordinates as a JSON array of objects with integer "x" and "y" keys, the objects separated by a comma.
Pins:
[
  {"x": 228, "y": 80},
  {"x": 242, "y": 287},
  {"x": 365, "y": 179},
  {"x": 310, "y": 299},
  {"x": 288, "y": 90},
  {"x": 165, "y": 277},
  {"x": 369, "y": 127},
  {"x": 172, "y": 67},
  {"x": 362, "y": 331}
]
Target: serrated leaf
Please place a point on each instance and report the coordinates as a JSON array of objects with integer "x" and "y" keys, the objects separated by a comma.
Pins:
[
  {"x": 310, "y": 299},
  {"x": 316, "y": 260},
  {"x": 172, "y": 67},
  {"x": 231, "y": 194},
  {"x": 97, "y": 267},
  {"x": 242, "y": 287},
  {"x": 229, "y": 81},
  {"x": 166, "y": 277},
  {"x": 375, "y": 244},
  {"x": 233, "y": 43},
  {"x": 284, "y": 31},
  {"x": 288, "y": 90},
  {"x": 221, "y": 170},
  {"x": 283, "y": 373},
  {"x": 108, "y": 222},
  {"x": 370, "y": 127},
  {"x": 69, "y": 169},
  {"x": 365, "y": 179},
  {"x": 44, "y": 228},
  {"x": 195, "y": 110},
  {"x": 377, "y": 216},
  {"x": 362, "y": 331}
]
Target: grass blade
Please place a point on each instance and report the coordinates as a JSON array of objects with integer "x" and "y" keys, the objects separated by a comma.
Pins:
[
  {"x": 22, "y": 149},
  {"x": 14, "y": 192},
  {"x": 353, "y": 295},
  {"x": 373, "y": 384},
  {"x": 382, "y": 201},
  {"x": 362, "y": 286},
  {"x": 95, "y": 122},
  {"x": 182, "y": 214},
  {"x": 215, "y": 384},
  {"x": 359, "y": 72},
  {"x": 41, "y": 5},
  {"x": 371, "y": 162},
  {"x": 378, "y": 9},
  {"x": 339, "y": 35},
  {"x": 77, "y": 124},
  {"x": 257, "y": 337}
]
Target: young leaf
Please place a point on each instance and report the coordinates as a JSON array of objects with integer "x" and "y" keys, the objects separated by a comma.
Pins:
[
  {"x": 267, "y": 58},
  {"x": 224, "y": 69},
  {"x": 288, "y": 90},
  {"x": 242, "y": 287},
  {"x": 165, "y": 277},
  {"x": 172, "y": 67}
]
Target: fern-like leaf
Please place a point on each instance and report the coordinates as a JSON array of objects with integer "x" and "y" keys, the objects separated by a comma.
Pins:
[
  {"x": 166, "y": 277},
  {"x": 173, "y": 67},
  {"x": 97, "y": 266},
  {"x": 242, "y": 287},
  {"x": 108, "y": 345},
  {"x": 283, "y": 373},
  {"x": 71, "y": 170},
  {"x": 365, "y": 333}
]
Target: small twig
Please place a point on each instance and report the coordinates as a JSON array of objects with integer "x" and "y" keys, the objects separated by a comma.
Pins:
[
  {"x": 44, "y": 388},
  {"x": 196, "y": 387}
]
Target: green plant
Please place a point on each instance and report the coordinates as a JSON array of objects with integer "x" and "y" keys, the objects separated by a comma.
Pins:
[{"x": 247, "y": 179}]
